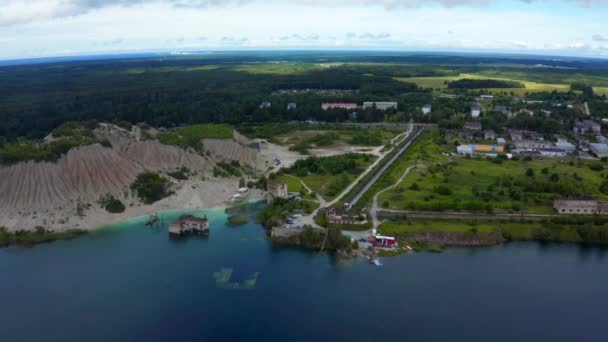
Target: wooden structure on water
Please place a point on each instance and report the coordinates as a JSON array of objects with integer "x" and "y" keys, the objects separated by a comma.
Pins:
[
  {"x": 188, "y": 224},
  {"x": 154, "y": 218}
]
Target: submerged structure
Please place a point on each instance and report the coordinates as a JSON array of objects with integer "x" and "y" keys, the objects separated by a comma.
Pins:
[{"x": 188, "y": 224}]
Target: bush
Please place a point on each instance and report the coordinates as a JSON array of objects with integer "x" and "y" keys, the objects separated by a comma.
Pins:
[
  {"x": 367, "y": 138},
  {"x": 227, "y": 169},
  {"x": 105, "y": 143},
  {"x": 530, "y": 172},
  {"x": 112, "y": 204},
  {"x": 604, "y": 187},
  {"x": 151, "y": 187},
  {"x": 23, "y": 150},
  {"x": 596, "y": 167},
  {"x": 442, "y": 190},
  {"x": 181, "y": 174},
  {"x": 191, "y": 136}
]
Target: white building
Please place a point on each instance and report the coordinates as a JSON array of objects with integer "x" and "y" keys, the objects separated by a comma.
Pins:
[
  {"x": 475, "y": 110},
  {"x": 600, "y": 150},
  {"x": 326, "y": 106},
  {"x": 465, "y": 149},
  {"x": 426, "y": 109},
  {"x": 565, "y": 144},
  {"x": 380, "y": 105}
]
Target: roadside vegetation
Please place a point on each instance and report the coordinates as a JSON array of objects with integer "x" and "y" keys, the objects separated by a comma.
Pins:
[
  {"x": 593, "y": 230},
  {"x": 422, "y": 150},
  {"x": 328, "y": 176}
]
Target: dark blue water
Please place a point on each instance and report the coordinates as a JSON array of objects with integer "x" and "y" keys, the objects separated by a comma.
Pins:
[{"x": 131, "y": 283}]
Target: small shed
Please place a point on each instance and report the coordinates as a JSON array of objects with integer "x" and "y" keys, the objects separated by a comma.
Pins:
[{"x": 385, "y": 241}]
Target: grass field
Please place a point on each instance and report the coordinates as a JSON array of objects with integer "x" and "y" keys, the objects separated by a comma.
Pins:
[
  {"x": 469, "y": 184},
  {"x": 514, "y": 230},
  {"x": 601, "y": 90},
  {"x": 293, "y": 185},
  {"x": 422, "y": 150},
  {"x": 138, "y": 71},
  {"x": 277, "y": 68},
  {"x": 329, "y": 184},
  {"x": 190, "y": 136},
  {"x": 339, "y": 138},
  {"x": 530, "y": 86}
]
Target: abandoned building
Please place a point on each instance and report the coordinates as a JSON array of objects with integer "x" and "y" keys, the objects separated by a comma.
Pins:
[
  {"x": 188, "y": 224},
  {"x": 581, "y": 206},
  {"x": 277, "y": 189}
]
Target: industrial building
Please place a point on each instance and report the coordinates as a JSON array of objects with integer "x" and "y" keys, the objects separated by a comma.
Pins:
[
  {"x": 341, "y": 105},
  {"x": 380, "y": 105}
]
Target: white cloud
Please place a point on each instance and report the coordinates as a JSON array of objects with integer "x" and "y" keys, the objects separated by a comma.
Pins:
[
  {"x": 599, "y": 38},
  {"x": 18, "y": 12},
  {"x": 51, "y": 27}
]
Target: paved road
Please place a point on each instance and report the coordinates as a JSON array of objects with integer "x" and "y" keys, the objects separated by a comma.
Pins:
[
  {"x": 414, "y": 133},
  {"x": 309, "y": 219},
  {"x": 403, "y": 135}
]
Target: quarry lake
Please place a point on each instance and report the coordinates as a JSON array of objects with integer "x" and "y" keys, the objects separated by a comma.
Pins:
[{"x": 131, "y": 283}]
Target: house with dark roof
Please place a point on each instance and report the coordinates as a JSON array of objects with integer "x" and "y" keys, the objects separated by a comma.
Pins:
[
  {"x": 489, "y": 134},
  {"x": 473, "y": 126},
  {"x": 586, "y": 126}
]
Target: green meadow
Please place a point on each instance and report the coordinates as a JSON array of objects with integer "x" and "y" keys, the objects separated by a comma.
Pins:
[
  {"x": 489, "y": 185},
  {"x": 441, "y": 83}
]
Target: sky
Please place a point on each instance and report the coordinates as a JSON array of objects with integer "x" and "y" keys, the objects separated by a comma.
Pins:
[{"x": 45, "y": 28}]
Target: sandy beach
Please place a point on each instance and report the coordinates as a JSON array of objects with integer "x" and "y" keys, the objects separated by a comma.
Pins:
[{"x": 192, "y": 194}]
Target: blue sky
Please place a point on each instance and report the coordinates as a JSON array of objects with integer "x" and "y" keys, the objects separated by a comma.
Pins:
[{"x": 41, "y": 28}]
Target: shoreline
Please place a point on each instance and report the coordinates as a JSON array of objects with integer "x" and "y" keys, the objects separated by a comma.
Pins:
[
  {"x": 31, "y": 238},
  {"x": 193, "y": 194}
]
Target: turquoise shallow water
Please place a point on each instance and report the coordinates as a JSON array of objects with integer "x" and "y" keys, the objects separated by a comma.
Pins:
[{"x": 131, "y": 283}]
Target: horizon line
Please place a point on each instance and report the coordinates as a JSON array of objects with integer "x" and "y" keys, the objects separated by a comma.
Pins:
[{"x": 191, "y": 52}]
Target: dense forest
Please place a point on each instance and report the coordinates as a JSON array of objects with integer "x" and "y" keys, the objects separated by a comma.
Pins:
[
  {"x": 36, "y": 99},
  {"x": 466, "y": 83},
  {"x": 229, "y": 88}
]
